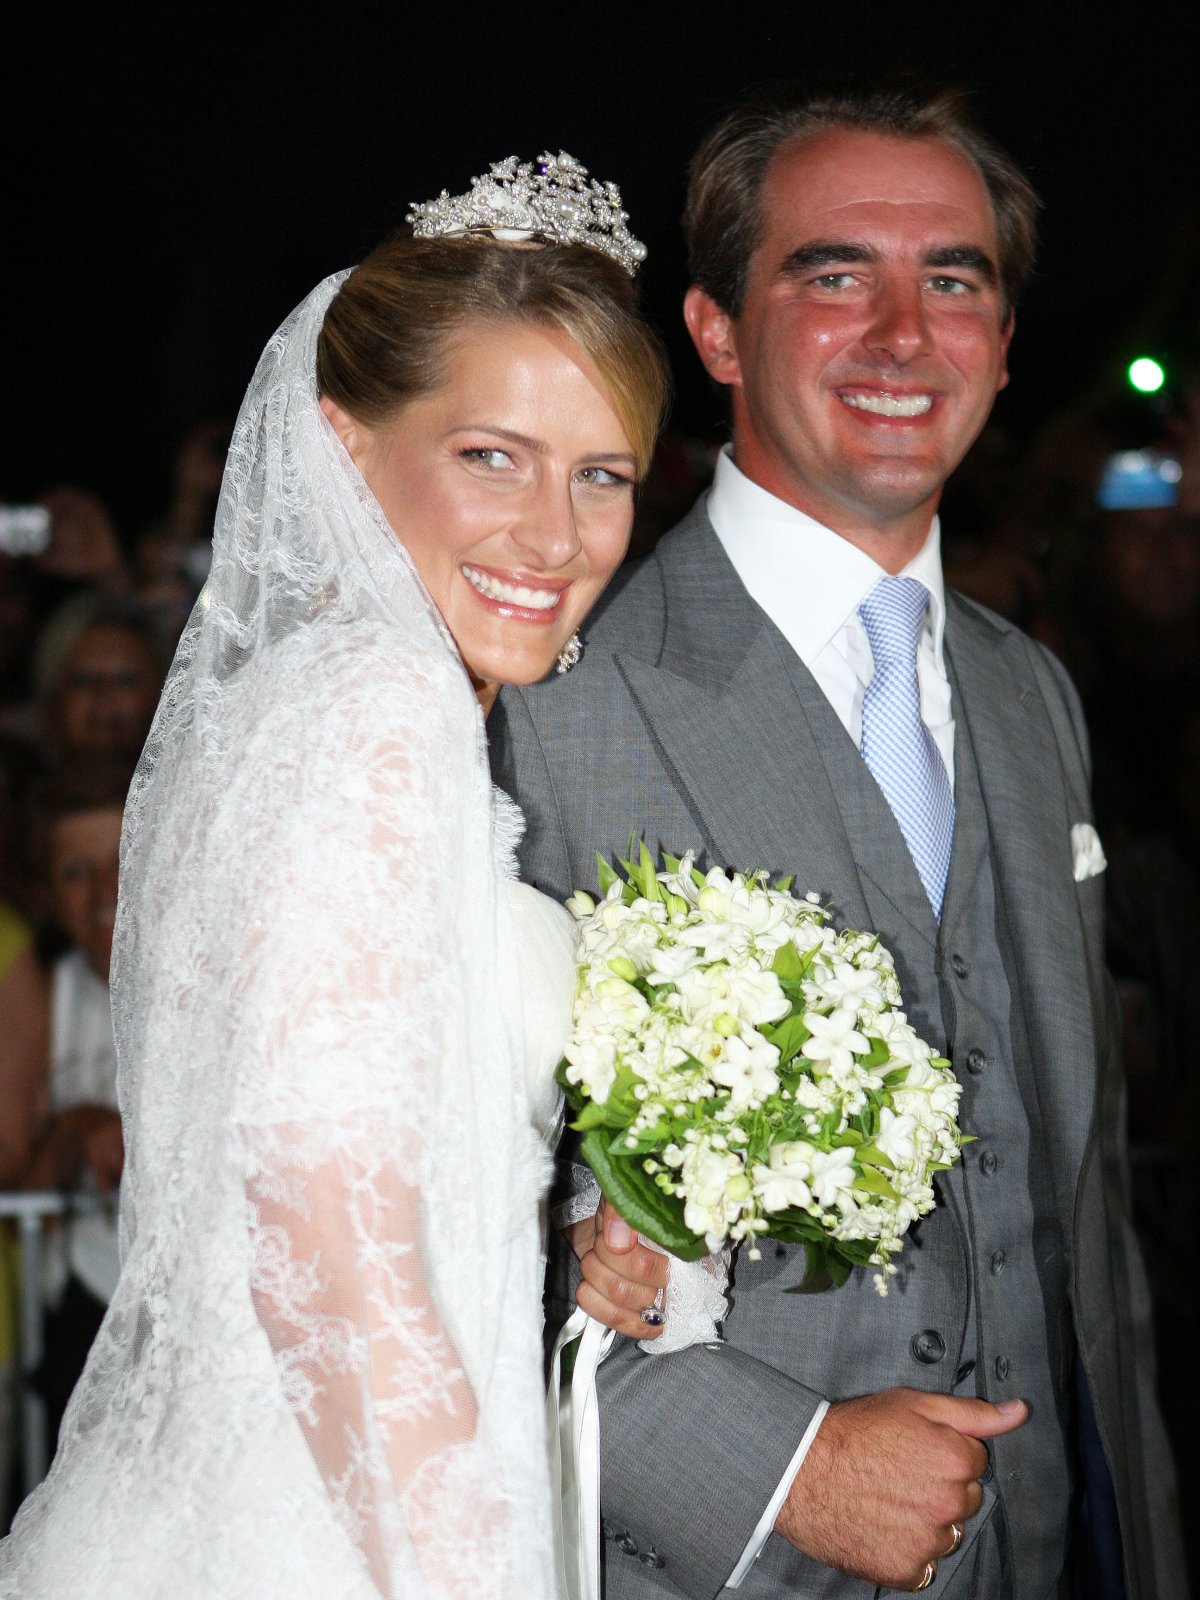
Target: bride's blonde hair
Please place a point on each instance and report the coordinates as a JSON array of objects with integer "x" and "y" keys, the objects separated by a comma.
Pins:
[{"x": 386, "y": 333}]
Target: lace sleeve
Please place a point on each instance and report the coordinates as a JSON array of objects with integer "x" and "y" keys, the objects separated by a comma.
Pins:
[{"x": 343, "y": 1027}]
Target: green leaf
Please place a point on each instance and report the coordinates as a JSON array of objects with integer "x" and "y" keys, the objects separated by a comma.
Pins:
[
  {"x": 639, "y": 1199},
  {"x": 595, "y": 1115},
  {"x": 671, "y": 863},
  {"x": 605, "y": 876},
  {"x": 648, "y": 874},
  {"x": 652, "y": 1139},
  {"x": 877, "y": 1055},
  {"x": 784, "y": 885},
  {"x": 872, "y": 1181},
  {"x": 870, "y": 1155},
  {"x": 787, "y": 965},
  {"x": 788, "y": 1035}
]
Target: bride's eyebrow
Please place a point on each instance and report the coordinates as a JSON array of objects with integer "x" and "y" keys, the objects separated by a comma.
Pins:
[{"x": 538, "y": 446}]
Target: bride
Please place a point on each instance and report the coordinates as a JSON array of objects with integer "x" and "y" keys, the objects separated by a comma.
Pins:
[{"x": 337, "y": 1011}]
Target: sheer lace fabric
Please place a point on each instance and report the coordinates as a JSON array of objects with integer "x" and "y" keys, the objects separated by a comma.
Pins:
[{"x": 320, "y": 1375}]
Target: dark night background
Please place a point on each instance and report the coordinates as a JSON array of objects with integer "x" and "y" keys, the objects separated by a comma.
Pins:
[{"x": 179, "y": 177}]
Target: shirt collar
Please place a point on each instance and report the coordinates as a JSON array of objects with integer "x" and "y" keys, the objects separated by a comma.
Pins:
[{"x": 808, "y": 579}]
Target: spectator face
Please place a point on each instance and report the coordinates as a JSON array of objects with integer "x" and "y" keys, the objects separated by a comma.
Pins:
[
  {"x": 872, "y": 342},
  {"x": 108, "y": 693},
  {"x": 84, "y": 850}
]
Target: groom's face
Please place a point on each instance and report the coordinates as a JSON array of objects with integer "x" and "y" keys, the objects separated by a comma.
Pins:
[{"x": 873, "y": 338}]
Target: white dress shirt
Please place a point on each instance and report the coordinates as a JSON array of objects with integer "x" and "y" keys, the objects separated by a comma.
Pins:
[{"x": 810, "y": 582}]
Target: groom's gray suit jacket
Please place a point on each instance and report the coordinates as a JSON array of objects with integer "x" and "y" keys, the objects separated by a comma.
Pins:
[{"x": 691, "y": 723}]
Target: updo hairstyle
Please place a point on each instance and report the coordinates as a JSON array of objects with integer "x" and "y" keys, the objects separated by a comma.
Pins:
[{"x": 388, "y": 330}]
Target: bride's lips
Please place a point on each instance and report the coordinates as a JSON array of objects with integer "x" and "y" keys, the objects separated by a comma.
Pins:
[{"x": 516, "y": 594}]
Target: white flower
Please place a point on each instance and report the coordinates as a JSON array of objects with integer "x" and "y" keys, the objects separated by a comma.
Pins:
[
  {"x": 853, "y": 987},
  {"x": 835, "y": 1040},
  {"x": 593, "y": 1063},
  {"x": 668, "y": 963},
  {"x": 757, "y": 997},
  {"x": 895, "y": 1137},
  {"x": 720, "y": 941},
  {"x": 746, "y": 1067},
  {"x": 785, "y": 1182},
  {"x": 833, "y": 1176}
]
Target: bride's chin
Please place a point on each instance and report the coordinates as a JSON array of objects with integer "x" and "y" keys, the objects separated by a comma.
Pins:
[{"x": 518, "y": 667}]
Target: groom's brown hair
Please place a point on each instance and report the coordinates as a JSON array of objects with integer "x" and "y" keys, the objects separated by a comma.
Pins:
[{"x": 723, "y": 215}]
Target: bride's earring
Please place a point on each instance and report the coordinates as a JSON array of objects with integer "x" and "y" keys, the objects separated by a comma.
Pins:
[{"x": 568, "y": 655}]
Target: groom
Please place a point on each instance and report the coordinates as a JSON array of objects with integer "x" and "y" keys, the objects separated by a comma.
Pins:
[{"x": 786, "y": 684}]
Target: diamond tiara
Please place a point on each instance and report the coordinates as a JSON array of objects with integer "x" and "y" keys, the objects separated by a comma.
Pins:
[{"x": 552, "y": 198}]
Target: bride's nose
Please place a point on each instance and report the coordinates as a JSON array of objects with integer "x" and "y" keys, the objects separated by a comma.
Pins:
[{"x": 547, "y": 529}]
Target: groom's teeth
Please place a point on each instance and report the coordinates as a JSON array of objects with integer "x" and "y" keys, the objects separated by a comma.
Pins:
[
  {"x": 891, "y": 405},
  {"x": 515, "y": 594}
]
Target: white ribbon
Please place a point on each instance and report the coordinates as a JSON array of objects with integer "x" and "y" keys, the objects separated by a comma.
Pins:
[{"x": 574, "y": 1427}]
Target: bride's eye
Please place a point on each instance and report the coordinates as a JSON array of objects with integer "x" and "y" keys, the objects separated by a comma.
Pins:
[
  {"x": 487, "y": 456},
  {"x": 603, "y": 478}
]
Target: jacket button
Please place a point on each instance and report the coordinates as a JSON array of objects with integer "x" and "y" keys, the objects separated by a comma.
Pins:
[
  {"x": 928, "y": 1347},
  {"x": 961, "y": 969},
  {"x": 964, "y": 1372},
  {"x": 976, "y": 1061},
  {"x": 627, "y": 1544},
  {"x": 988, "y": 1162},
  {"x": 998, "y": 1262},
  {"x": 651, "y": 1558},
  {"x": 1002, "y": 1367}
]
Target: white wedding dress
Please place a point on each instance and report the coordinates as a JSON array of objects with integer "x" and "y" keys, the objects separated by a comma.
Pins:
[{"x": 337, "y": 1017}]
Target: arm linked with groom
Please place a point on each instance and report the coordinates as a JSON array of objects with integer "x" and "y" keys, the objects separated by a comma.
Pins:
[{"x": 785, "y": 684}]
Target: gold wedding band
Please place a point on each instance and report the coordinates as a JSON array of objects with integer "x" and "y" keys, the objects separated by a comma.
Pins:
[
  {"x": 930, "y": 1575},
  {"x": 956, "y": 1529}
]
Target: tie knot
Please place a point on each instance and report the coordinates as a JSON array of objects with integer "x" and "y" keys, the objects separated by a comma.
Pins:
[{"x": 893, "y": 615}]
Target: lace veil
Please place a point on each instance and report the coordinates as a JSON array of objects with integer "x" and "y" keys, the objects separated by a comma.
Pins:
[{"x": 321, "y": 1369}]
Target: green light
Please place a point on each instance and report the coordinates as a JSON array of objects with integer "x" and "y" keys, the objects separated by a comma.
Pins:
[{"x": 1146, "y": 374}]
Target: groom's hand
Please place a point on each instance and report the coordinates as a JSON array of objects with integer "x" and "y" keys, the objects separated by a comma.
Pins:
[
  {"x": 620, "y": 1276},
  {"x": 886, "y": 1477}
]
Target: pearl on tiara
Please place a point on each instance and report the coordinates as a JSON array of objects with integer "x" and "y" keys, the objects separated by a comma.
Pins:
[{"x": 552, "y": 199}]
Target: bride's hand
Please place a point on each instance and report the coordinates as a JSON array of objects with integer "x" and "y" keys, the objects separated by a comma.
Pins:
[{"x": 620, "y": 1276}]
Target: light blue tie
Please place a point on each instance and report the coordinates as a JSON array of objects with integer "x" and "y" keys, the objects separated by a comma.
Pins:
[{"x": 896, "y": 745}]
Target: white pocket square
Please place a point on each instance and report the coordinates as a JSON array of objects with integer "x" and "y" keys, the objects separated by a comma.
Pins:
[{"x": 1087, "y": 853}]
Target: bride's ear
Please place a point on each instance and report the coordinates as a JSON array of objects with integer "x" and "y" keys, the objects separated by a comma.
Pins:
[{"x": 352, "y": 434}]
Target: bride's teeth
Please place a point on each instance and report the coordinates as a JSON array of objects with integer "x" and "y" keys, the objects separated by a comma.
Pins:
[
  {"x": 512, "y": 594},
  {"x": 891, "y": 405}
]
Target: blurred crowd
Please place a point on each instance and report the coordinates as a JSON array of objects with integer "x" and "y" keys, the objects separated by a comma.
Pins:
[{"x": 1088, "y": 536}]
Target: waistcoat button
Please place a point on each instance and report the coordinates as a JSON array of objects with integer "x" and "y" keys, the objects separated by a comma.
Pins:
[
  {"x": 976, "y": 1061},
  {"x": 627, "y": 1544},
  {"x": 964, "y": 1372},
  {"x": 961, "y": 969},
  {"x": 988, "y": 1162},
  {"x": 928, "y": 1347},
  {"x": 651, "y": 1558},
  {"x": 1002, "y": 1367},
  {"x": 998, "y": 1262}
]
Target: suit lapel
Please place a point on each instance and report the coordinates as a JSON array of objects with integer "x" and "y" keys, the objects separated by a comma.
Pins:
[
  {"x": 1021, "y": 779},
  {"x": 723, "y": 710}
]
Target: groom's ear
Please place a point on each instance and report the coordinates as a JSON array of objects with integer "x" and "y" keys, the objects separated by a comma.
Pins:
[{"x": 711, "y": 328}]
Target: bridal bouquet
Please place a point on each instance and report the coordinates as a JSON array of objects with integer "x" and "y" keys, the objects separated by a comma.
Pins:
[{"x": 740, "y": 1069}]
